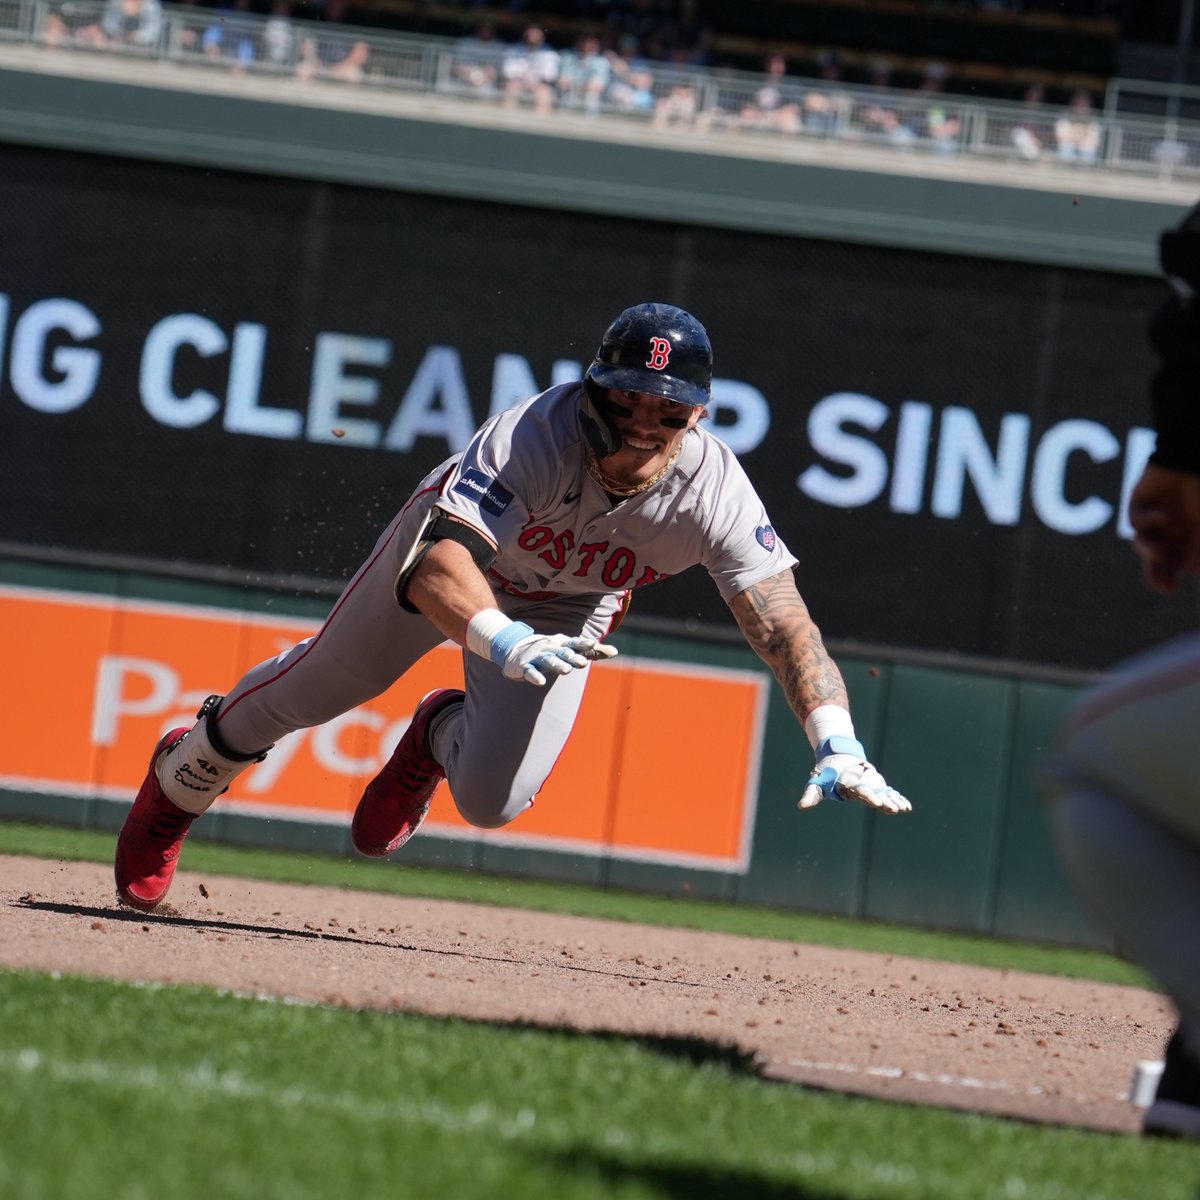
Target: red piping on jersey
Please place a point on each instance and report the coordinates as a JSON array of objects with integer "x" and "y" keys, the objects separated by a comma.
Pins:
[
  {"x": 445, "y": 479},
  {"x": 623, "y": 606},
  {"x": 225, "y": 710}
]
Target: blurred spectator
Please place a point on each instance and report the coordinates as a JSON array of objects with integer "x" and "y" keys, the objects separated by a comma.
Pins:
[
  {"x": 881, "y": 73},
  {"x": 1029, "y": 133},
  {"x": 825, "y": 107},
  {"x": 942, "y": 127},
  {"x": 188, "y": 23},
  {"x": 933, "y": 77},
  {"x": 678, "y": 105},
  {"x": 65, "y": 20},
  {"x": 530, "y": 70},
  {"x": 132, "y": 22},
  {"x": 772, "y": 107},
  {"x": 819, "y": 113},
  {"x": 1170, "y": 152},
  {"x": 477, "y": 59},
  {"x": 585, "y": 75},
  {"x": 1077, "y": 132},
  {"x": 1026, "y": 142},
  {"x": 279, "y": 35},
  {"x": 829, "y": 66},
  {"x": 136, "y": 23},
  {"x": 632, "y": 87},
  {"x": 336, "y": 52},
  {"x": 678, "y": 89},
  {"x": 886, "y": 125},
  {"x": 722, "y": 101},
  {"x": 229, "y": 38}
]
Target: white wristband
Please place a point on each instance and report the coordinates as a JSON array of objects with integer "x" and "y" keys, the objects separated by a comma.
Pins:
[
  {"x": 482, "y": 628},
  {"x": 488, "y": 625},
  {"x": 826, "y": 721}
]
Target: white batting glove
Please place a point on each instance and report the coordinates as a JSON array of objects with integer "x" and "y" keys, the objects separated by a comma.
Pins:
[
  {"x": 524, "y": 655},
  {"x": 843, "y": 773},
  {"x": 533, "y": 656}
]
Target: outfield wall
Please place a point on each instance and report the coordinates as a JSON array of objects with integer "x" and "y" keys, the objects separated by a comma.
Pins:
[
  {"x": 261, "y": 320},
  {"x": 711, "y": 815}
]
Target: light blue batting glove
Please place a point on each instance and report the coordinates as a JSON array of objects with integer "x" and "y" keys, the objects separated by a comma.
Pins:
[
  {"x": 843, "y": 773},
  {"x": 532, "y": 657}
]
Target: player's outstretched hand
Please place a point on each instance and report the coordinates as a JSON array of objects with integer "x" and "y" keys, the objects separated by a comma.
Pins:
[
  {"x": 524, "y": 655},
  {"x": 535, "y": 657},
  {"x": 851, "y": 777}
]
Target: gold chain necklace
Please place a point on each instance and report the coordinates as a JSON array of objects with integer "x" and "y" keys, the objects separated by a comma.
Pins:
[{"x": 615, "y": 487}]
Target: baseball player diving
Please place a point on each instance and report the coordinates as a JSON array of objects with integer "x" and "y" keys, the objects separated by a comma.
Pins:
[{"x": 525, "y": 551}]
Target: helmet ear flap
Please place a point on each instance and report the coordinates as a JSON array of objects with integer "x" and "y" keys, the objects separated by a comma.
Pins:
[{"x": 601, "y": 432}]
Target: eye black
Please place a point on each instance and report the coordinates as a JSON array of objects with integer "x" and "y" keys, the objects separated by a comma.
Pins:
[{"x": 615, "y": 409}]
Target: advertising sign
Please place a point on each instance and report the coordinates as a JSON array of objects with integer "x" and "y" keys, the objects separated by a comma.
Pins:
[
  {"x": 138, "y": 669},
  {"x": 224, "y": 372}
]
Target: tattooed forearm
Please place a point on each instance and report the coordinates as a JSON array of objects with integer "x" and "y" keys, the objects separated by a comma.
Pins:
[{"x": 776, "y": 623}]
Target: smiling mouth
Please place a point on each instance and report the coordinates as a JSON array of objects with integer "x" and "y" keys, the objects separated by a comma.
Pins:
[{"x": 643, "y": 447}]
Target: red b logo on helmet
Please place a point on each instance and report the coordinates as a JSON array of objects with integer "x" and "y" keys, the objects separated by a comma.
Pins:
[{"x": 660, "y": 352}]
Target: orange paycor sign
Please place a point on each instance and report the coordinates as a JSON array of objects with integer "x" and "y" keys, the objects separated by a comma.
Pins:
[{"x": 101, "y": 678}]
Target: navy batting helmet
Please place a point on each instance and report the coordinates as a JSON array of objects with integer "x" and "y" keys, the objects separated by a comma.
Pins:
[{"x": 653, "y": 348}]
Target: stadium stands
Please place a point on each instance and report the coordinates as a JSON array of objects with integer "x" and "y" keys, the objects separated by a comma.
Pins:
[
  {"x": 1025, "y": 115},
  {"x": 993, "y": 49}
]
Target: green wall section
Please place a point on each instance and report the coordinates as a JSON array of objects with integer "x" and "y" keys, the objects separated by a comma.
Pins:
[{"x": 973, "y": 856}]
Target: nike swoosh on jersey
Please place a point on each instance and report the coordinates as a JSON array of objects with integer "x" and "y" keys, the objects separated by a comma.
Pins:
[{"x": 571, "y": 497}]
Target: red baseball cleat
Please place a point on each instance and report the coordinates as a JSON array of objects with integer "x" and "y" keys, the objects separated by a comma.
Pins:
[
  {"x": 150, "y": 840},
  {"x": 395, "y": 802}
]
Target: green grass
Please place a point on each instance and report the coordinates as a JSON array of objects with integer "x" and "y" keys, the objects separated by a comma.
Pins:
[
  {"x": 109, "y": 1090},
  {"x": 53, "y": 841}
]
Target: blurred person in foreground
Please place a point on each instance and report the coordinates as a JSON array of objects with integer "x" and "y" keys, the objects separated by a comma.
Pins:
[{"x": 1124, "y": 782}]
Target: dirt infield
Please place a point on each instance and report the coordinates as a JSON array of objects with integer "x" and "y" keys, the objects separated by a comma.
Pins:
[{"x": 1004, "y": 1042}]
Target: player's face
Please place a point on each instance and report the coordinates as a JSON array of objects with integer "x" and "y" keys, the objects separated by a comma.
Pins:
[{"x": 651, "y": 427}]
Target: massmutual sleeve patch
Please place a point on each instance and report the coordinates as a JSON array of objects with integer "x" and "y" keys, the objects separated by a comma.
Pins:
[{"x": 489, "y": 493}]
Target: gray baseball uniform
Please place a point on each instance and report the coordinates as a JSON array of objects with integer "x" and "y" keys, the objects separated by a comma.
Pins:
[
  {"x": 568, "y": 560},
  {"x": 1125, "y": 814},
  {"x": 1123, "y": 782}
]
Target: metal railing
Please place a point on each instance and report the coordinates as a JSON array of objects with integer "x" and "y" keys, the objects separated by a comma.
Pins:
[{"x": 711, "y": 102}]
